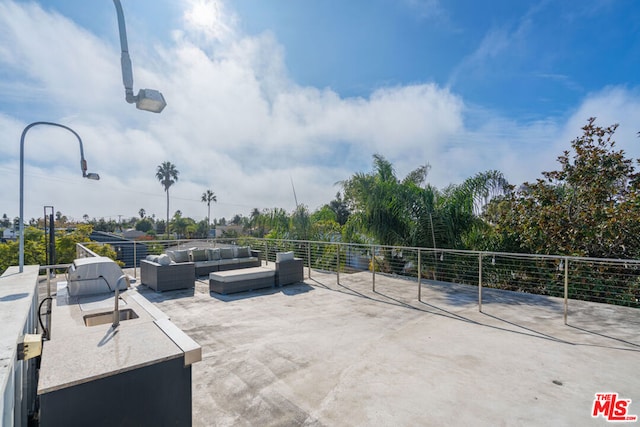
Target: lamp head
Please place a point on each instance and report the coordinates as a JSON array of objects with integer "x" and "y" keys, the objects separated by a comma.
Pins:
[
  {"x": 90, "y": 175},
  {"x": 150, "y": 100}
]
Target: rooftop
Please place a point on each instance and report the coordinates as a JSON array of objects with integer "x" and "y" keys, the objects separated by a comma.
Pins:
[{"x": 323, "y": 353}]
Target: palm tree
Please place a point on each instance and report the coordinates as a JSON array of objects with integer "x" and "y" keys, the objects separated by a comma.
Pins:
[
  {"x": 208, "y": 197},
  {"x": 167, "y": 174},
  {"x": 382, "y": 203}
]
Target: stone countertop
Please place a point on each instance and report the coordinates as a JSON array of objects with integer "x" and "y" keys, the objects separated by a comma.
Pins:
[
  {"x": 77, "y": 354},
  {"x": 18, "y": 298}
]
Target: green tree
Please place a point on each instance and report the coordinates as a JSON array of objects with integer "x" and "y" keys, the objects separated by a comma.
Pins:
[
  {"x": 408, "y": 212},
  {"x": 202, "y": 229},
  {"x": 300, "y": 228},
  {"x": 184, "y": 226},
  {"x": 256, "y": 223},
  {"x": 208, "y": 197},
  {"x": 380, "y": 202},
  {"x": 452, "y": 218},
  {"x": 142, "y": 213},
  {"x": 161, "y": 226},
  {"x": 167, "y": 174},
  {"x": 144, "y": 225},
  {"x": 324, "y": 226},
  {"x": 276, "y": 221},
  {"x": 589, "y": 207},
  {"x": 340, "y": 208}
]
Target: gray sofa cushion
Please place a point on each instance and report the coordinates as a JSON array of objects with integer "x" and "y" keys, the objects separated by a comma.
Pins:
[
  {"x": 226, "y": 253},
  {"x": 213, "y": 254},
  {"x": 199, "y": 255},
  {"x": 163, "y": 259},
  {"x": 181, "y": 256},
  {"x": 243, "y": 251}
]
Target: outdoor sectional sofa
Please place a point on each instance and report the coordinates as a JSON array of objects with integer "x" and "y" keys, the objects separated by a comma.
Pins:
[{"x": 217, "y": 259}]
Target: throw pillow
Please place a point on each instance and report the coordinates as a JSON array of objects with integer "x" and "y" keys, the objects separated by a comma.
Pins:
[
  {"x": 181, "y": 256},
  {"x": 163, "y": 259},
  {"x": 284, "y": 256},
  {"x": 213, "y": 254},
  {"x": 243, "y": 252},
  {"x": 199, "y": 255},
  {"x": 226, "y": 253}
]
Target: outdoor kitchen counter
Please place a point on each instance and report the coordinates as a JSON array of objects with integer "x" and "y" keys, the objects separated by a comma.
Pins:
[{"x": 78, "y": 354}]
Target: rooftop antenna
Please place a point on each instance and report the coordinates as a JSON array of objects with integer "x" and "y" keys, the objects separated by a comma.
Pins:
[{"x": 294, "y": 191}]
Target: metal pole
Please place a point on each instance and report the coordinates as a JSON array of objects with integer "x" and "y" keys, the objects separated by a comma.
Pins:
[
  {"x": 338, "y": 265},
  {"x": 83, "y": 167},
  {"x": 135, "y": 261},
  {"x": 480, "y": 282},
  {"x": 419, "y": 278},
  {"x": 309, "y": 257},
  {"x": 373, "y": 269},
  {"x": 48, "y": 282},
  {"x": 566, "y": 288}
]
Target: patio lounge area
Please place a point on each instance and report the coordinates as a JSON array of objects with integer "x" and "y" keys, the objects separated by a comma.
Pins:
[{"x": 322, "y": 353}]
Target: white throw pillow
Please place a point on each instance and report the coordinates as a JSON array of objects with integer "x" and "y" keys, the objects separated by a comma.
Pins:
[
  {"x": 164, "y": 259},
  {"x": 284, "y": 256}
]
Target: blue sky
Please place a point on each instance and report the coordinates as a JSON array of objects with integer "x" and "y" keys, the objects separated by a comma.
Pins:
[{"x": 261, "y": 93}]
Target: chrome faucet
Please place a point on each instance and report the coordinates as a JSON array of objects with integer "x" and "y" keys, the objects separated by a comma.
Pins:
[{"x": 116, "y": 311}]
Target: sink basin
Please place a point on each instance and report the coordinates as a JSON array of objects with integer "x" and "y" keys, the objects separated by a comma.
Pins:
[{"x": 107, "y": 317}]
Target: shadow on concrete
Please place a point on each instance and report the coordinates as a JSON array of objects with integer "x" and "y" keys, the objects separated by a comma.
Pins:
[
  {"x": 608, "y": 337},
  {"x": 532, "y": 331},
  {"x": 14, "y": 297},
  {"x": 461, "y": 294},
  {"x": 438, "y": 311},
  {"x": 458, "y": 296},
  {"x": 296, "y": 289},
  {"x": 289, "y": 290},
  {"x": 154, "y": 296}
]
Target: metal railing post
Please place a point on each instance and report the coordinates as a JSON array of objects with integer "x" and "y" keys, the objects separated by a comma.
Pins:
[
  {"x": 48, "y": 282},
  {"x": 373, "y": 269},
  {"x": 480, "y": 282},
  {"x": 266, "y": 252},
  {"x": 566, "y": 288},
  {"x": 419, "y": 277},
  {"x": 338, "y": 265},
  {"x": 309, "y": 257},
  {"x": 135, "y": 260}
]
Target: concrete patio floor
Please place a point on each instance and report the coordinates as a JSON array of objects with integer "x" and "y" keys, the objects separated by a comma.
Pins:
[{"x": 320, "y": 353}]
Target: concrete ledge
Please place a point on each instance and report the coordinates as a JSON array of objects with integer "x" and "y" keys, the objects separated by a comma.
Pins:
[
  {"x": 192, "y": 351},
  {"x": 18, "y": 316}
]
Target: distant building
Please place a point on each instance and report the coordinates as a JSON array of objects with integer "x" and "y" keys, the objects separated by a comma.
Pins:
[
  {"x": 9, "y": 234},
  {"x": 133, "y": 234},
  {"x": 124, "y": 247}
]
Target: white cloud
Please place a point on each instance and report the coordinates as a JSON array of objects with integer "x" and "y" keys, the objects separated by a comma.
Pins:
[{"x": 236, "y": 123}]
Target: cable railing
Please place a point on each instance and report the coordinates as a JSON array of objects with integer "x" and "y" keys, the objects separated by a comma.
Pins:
[{"x": 609, "y": 281}]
